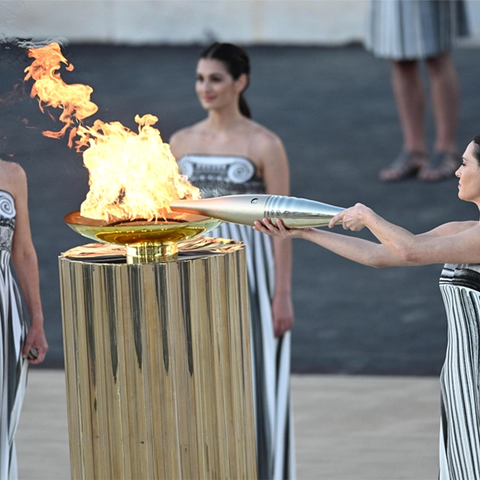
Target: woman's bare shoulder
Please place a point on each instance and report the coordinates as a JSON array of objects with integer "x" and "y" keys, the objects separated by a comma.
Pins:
[
  {"x": 469, "y": 225},
  {"x": 181, "y": 140},
  {"x": 186, "y": 132},
  {"x": 11, "y": 173},
  {"x": 265, "y": 138},
  {"x": 12, "y": 168},
  {"x": 264, "y": 133},
  {"x": 453, "y": 228}
]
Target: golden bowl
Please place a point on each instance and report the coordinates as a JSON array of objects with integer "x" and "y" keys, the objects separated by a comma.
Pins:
[{"x": 146, "y": 242}]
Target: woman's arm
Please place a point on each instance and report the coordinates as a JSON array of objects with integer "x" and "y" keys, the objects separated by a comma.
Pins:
[
  {"x": 355, "y": 249},
  {"x": 282, "y": 305},
  {"x": 25, "y": 262},
  {"x": 451, "y": 243},
  {"x": 456, "y": 242},
  {"x": 276, "y": 175}
]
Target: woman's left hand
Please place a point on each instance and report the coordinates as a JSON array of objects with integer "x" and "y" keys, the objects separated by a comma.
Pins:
[
  {"x": 278, "y": 230},
  {"x": 36, "y": 342},
  {"x": 353, "y": 218}
]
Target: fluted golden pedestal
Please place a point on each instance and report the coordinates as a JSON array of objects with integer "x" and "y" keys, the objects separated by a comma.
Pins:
[{"x": 158, "y": 367}]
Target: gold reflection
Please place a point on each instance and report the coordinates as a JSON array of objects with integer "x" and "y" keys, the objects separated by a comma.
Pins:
[
  {"x": 146, "y": 242},
  {"x": 158, "y": 364}
]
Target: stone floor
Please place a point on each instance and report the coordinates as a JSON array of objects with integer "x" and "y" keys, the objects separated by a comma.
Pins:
[{"x": 346, "y": 427}]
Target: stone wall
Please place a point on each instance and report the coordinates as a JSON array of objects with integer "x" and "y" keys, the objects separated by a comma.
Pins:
[
  {"x": 186, "y": 21},
  {"x": 139, "y": 22}
]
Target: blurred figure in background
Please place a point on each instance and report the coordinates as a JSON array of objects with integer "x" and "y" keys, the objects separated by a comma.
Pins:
[
  {"x": 228, "y": 153},
  {"x": 19, "y": 344},
  {"x": 406, "y": 32}
]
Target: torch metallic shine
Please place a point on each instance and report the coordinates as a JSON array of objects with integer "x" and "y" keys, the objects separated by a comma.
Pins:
[{"x": 245, "y": 209}]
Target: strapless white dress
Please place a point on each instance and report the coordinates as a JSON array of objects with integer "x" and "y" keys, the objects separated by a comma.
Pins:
[{"x": 218, "y": 175}]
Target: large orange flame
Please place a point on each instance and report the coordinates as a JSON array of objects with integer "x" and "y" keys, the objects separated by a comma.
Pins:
[
  {"x": 52, "y": 91},
  {"x": 131, "y": 176}
]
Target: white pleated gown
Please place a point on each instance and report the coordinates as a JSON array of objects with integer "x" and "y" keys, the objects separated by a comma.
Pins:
[
  {"x": 414, "y": 29},
  {"x": 13, "y": 333},
  {"x": 460, "y": 377},
  {"x": 218, "y": 175}
]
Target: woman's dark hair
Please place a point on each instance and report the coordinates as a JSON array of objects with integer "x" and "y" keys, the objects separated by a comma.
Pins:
[
  {"x": 476, "y": 148},
  {"x": 237, "y": 62}
]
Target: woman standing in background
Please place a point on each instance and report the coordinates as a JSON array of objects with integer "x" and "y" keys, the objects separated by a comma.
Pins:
[
  {"x": 19, "y": 345},
  {"x": 228, "y": 153},
  {"x": 407, "y": 32}
]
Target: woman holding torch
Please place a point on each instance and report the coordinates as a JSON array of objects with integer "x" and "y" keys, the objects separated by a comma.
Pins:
[
  {"x": 457, "y": 245},
  {"x": 228, "y": 153},
  {"x": 19, "y": 345}
]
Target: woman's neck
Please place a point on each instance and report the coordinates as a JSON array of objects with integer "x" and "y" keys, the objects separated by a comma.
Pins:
[{"x": 225, "y": 120}]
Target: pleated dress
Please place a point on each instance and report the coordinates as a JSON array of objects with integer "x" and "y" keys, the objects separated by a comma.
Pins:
[
  {"x": 13, "y": 332},
  {"x": 414, "y": 29},
  {"x": 218, "y": 175},
  {"x": 460, "y": 377}
]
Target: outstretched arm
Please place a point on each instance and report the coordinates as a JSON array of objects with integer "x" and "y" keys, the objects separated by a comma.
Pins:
[
  {"x": 356, "y": 249},
  {"x": 456, "y": 242}
]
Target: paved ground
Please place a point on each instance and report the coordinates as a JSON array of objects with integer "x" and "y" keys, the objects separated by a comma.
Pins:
[
  {"x": 334, "y": 110},
  {"x": 346, "y": 427}
]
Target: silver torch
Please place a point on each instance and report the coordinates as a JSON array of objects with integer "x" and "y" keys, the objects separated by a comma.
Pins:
[{"x": 245, "y": 209}]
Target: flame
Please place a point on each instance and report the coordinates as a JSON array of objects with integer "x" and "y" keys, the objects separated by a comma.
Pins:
[
  {"x": 145, "y": 171},
  {"x": 131, "y": 175},
  {"x": 52, "y": 91}
]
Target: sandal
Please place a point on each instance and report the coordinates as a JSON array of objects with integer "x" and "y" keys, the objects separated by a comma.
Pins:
[
  {"x": 406, "y": 165},
  {"x": 443, "y": 165}
]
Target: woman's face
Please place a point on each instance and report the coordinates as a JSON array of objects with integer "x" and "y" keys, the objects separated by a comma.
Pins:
[
  {"x": 469, "y": 177},
  {"x": 215, "y": 87}
]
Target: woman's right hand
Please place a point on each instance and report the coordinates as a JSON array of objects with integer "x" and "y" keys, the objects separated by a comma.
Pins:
[
  {"x": 35, "y": 340},
  {"x": 353, "y": 218},
  {"x": 279, "y": 230}
]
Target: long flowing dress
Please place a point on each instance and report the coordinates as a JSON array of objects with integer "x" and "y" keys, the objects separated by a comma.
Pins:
[
  {"x": 13, "y": 332},
  {"x": 460, "y": 378},
  {"x": 414, "y": 29},
  {"x": 216, "y": 176}
]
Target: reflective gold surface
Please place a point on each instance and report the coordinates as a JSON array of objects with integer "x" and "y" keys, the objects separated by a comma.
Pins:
[
  {"x": 245, "y": 209},
  {"x": 146, "y": 241},
  {"x": 158, "y": 367}
]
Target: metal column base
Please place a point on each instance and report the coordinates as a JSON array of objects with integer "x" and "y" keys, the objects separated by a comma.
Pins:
[{"x": 158, "y": 368}]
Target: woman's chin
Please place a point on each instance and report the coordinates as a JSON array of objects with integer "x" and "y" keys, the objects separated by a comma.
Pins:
[{"x": 207, "y": 105}]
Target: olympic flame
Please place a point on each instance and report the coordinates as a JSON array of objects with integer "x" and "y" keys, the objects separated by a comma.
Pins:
[{"x": 131, "y": 175}]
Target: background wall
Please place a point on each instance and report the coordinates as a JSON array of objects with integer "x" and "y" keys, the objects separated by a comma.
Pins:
[{"x": 138, "y": 22}]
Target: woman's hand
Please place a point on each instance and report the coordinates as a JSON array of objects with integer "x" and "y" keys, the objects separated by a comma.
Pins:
[
  {"x": 353, "y": 218},
  {"x": 279, "y": 230},
  {"x": 282, "y": 312},
  {"x": 36, "y": 345}
]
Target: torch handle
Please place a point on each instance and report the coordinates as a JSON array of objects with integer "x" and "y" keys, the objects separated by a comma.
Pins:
[{"x": 245, "y": 209}]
